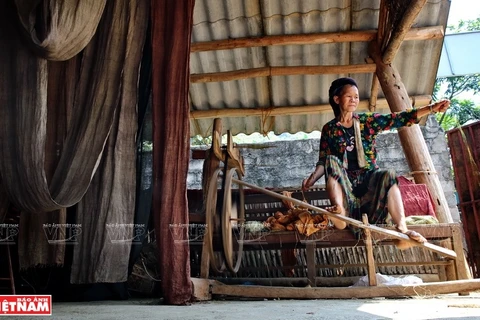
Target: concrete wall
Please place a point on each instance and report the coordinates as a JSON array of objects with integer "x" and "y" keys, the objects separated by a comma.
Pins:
[{"x": 286, "y": 163}]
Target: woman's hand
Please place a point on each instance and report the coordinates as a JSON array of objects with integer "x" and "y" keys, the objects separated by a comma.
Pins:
[
  {"x": 310, "y": 181},
  {"x": 440, "y": 106},
  {"x": 306, "y": 183}
]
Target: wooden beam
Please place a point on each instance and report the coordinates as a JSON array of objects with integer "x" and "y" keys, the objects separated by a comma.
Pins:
[
  {"x": 424, "y": 289},
  {"x": 401, "y": 30},
  {"x": 434, "y": 32},
  {"x": 371, "y": 268},
  {"x": 280, "y": 71},
  {"x": 201, "y": 289},
  {"x": 291, "y": 110},
  {"x": 382, "y": 18},
  {"x": 341, "y": 281},
  {"x": 372, "y": 105}
]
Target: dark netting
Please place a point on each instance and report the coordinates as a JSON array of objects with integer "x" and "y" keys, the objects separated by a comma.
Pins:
[{"x": 144, "y": 157}]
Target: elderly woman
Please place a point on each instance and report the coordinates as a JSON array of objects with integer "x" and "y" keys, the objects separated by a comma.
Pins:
[{"x": 347, "y": 158}]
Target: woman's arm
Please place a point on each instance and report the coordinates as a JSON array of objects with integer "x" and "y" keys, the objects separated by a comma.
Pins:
[
  {"x": 314, "y": 176},
  {"x": 439, "y": 106}
]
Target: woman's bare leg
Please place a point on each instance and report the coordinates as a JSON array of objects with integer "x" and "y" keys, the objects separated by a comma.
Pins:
[
  {"x": 396, "y": 209},
  {"x": 336, "y": 196}
]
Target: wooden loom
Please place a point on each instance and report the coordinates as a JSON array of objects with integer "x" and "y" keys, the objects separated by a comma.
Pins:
[{"x": 232, "y": 250}]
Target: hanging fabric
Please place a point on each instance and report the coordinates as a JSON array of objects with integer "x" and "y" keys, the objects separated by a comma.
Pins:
[{"x": 171, "y": 36}]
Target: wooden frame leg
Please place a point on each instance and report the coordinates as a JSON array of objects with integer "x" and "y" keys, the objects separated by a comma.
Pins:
[
  {"x": 463, "y": 271},
  {"x": 205, "y": 261},
  {"x": 311, "y": 265},
  {"x": 371, "y": 268}
]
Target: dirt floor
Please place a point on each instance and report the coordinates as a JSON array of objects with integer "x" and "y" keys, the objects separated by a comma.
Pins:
[{"x": 451, "y": 306}]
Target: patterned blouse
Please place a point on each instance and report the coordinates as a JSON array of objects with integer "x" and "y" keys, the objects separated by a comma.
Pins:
[{"x": 334, "y": 138}]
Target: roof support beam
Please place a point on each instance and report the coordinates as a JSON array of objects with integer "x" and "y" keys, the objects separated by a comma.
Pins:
[
  {"x": 280, "y": 71},
  {"x": 402, "y": 29},
  {"x": 291, "y": 110},
  {"x": 426, "y": 33}
]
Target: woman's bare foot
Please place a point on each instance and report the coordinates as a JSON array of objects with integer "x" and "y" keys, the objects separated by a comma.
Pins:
[
  {"x": 337, "y": 209},
  {"x": 402, "y": 245}
]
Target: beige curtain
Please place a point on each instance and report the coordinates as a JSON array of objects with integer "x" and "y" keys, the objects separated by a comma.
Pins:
[
  {"x": 58, "y": 30},
  {"x": 106, "y": 212},
  {"x": 23, "y": 118},
  {"x": 46, "y": 170}
]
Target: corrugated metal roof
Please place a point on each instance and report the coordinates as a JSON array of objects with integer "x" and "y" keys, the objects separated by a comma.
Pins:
[{"x": 416, "y": 60}]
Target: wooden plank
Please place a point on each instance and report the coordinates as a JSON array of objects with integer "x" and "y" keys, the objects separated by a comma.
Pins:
[
  {"x": 205, "y": 260},
  {"x": 311, "y": 270},
  {"x": 280, "y": 71},
  {"x": 292, "y": 110},
  {"x": 324, "y": 281},
  {"x": 425, "y": 289},
  {"x": 371, "y": 270},
  {"x": 201, "y": 289},
  {"x": 217, "y": 145},
  {"x": 461, "y": 266},
  {"x": 425, "y": 33},
  {"x": 356, "y": 223},
  {"x": 449, "y": 272},
  {"x": 235, "y": 160}
]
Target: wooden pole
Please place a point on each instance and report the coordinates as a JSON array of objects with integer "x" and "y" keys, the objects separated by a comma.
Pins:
[
  {"x": 424, "y": 289},
  {"x": 411, "y": 138},
  {"x": 290, "y": 110},
  {"x": 391, "y": 233},
  {"x": 280, "y": 71},
  {"x": 424, "y": 33},
  {"x": 371, "y": 268},
  {"x": 401, "y": 30}
]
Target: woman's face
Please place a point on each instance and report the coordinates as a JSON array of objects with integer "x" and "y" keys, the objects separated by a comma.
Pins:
[{"x": 348, "y": 99}]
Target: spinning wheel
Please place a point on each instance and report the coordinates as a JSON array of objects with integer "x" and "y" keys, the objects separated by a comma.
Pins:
[
  {"x": 212, "y": 222},
  {"x": 233, "y": 221},
  {"x": 225, "y": 211},
  {"x": 229, "y": 225}
]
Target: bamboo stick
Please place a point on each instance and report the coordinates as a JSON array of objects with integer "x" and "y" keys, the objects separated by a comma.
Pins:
[{"x": 356, "y": 223}]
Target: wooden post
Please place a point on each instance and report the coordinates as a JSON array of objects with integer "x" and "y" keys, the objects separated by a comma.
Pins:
[
  {"x": 461, "y": 265},
  {"x": 311, "y": 265},
  {"x": 372, "y": 275},
  {"x": 411, "y": 138}
]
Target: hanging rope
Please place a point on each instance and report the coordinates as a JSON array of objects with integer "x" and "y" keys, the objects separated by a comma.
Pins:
[{"x": 266, "y": 114}]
